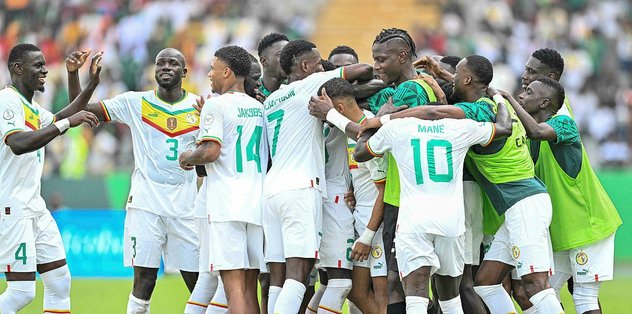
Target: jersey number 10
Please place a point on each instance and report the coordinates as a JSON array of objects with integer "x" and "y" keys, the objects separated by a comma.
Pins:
[{"x": 430, "y": 157}]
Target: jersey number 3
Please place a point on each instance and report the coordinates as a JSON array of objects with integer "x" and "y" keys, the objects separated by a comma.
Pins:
[{"x": 430, "y": 157}]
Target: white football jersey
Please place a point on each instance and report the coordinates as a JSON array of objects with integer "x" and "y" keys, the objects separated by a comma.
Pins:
[
  {"x": 235, "y": 179},
  {"x": 336, "y": 160},
  {"x": 295, "y": 137},
  {"x": 430, "y": 157},
  {"x": 161, "y": 131},
  {"x": 21, "y": 175},
  {"x": 364, "y": 175}
]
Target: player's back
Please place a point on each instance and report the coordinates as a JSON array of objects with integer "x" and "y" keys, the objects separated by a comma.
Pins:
[
  {"x": 235, "y": 182},
  {"x": 430, "y": 156},
  {"x": 295, "y": 137}
]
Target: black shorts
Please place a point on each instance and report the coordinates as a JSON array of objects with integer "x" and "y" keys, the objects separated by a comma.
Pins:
[{"x": 388, "y": 235}]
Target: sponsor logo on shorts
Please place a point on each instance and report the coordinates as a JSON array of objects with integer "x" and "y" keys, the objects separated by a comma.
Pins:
[
  {"x": 129, "y": 200},
  {"x": 486, "y": 247},
  {"x": 583, "y": 272},
  {"x": 515, "y": 252},
  {"x": 378, "y": 265},
  {"x": 377, "y": 252},
  {"x": 519, "y": 265},
  {"x": 581, "y": 258}
]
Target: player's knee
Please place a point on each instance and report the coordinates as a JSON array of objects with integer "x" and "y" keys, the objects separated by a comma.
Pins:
[
  {"x": 57, "y": 282},
  {"x": 17, "y": 295},
  {"x": 586, "y": 296},
  {"x": 534, "y": 283}
]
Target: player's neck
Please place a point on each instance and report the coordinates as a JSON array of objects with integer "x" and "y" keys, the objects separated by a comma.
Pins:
[
  {"x": 472, "y": 95},
  {"x": 355, "y": 115},
  {"x": 293, "y": 77},
  {"x": 542, "y": 116},
  {"x": 24, "y": 91},
  {"x": 270, "y": 82},
  {"x": 408, "y": 74},
  {"x": 236, "y": 86},
  {"x": 170, "y": 95}
]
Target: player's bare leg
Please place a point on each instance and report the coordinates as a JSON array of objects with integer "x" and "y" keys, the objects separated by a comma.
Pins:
[
  {"x": 277, "y": 278},
  {"x": 19, "y": 293},
  {"x": 415, "y": 287},
  {"x": 252, "y": 302},
  {"x": 264, "y": 281},
  {"x": 448, "y": 290},
  {"x": 235, "y": 287},
  {"x": 541, "y": 295},
  {"x": 190, "y": 278},
  {"x": 472, "y": 303},
  {"x": 56, "y": 279},
  {"x": 520, "y": 295},
  {"x": 361, "y": 293},
  {"x": 395, "y": 289}
]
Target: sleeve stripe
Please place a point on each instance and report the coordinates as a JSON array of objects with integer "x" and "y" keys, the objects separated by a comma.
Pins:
[
  {"x": 342, "y": 73},
  {"x": 491, "y": 138},
  {"x": 106, "y": 113},
  {"x": 374, "y": 154},
  {"x": 381, "y": 181},
  {"x": 210, "y": 138},
  {"x": 12, "y": 131}
]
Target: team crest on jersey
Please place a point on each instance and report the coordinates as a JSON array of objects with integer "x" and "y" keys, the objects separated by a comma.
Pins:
[
  {"x": 208, "y": 120},
  {"x": 191, "y": 118},
  {"x": 515, "y": 252},
  {"x": 8, "y": 114},
  {"x": 581, "y": 258},
  {"x": 172, "y": 123},
  {"x": 377, "y": 252}
]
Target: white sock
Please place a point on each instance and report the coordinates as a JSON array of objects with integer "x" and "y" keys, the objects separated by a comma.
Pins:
[
  {"x": 496, "y": 299},
  {"x": 56, "y": 290},
  {"x": 353, "y": 309},
  {"x": 202, "y": 294},
  {"x": 334, "y": 297},
  {"x": 417, "y": 305},
  {"x": 273, "y": 295},
  {"x": 219, "y": 303},
  {"x": 312, "y": 307},
  {"x": 531, "y": 310},
  {"x": 137, "y": 306},
  {"x": 452, "y": 306},
  {"x": 17, "y": 295},
  {"x": 545, "y": 301},
  {"x": 290, "y": 298}
]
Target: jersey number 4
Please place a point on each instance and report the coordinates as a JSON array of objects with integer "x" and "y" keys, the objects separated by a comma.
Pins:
[
  {"x": 430, "y": 157},
  {"x": 252, "y": 149}
]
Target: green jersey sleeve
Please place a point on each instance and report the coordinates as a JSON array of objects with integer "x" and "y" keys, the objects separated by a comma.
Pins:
[
  {"x": 411, "y": 94},
  {"x": 478, "y": 111},
  {"x": 565, "y": 129}
]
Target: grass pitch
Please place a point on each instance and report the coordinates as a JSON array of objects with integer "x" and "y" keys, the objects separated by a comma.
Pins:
[{"x": 107, "y": 296}]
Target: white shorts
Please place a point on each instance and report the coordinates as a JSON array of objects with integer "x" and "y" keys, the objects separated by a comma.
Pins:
[
  {"x": 445, "y": 255},
  {"x": 523, "y": 239},
  {"x": 338, "y": 235},
  {"x": 590, "y": 263},
  {"x": 235, "y": 245},
  {"x": 292, "y": 223},
  {"x": 377, "y": 259},
  {"x": 28, "y": 242},
  {"x": 205, "y": 243},
  {"x": 473, "y": 197},
  {"x": 149, "y": 236}
]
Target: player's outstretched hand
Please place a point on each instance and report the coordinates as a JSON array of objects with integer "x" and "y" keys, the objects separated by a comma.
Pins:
[
  {"x": 199, "y": 104},
  {"x": 95, "y": 67},
  {"x": 183, "y": 161},
  {"x": 83, "y": 117},
  {"x": 360, "y": 251},
  {"x": 320, "y": 106},
  {"x": 76, "y": 59},
  {"x": 259, "y": 95},
  {"x": 371, "y": 123},
  {"x": 389, "y": 108},
  {"x": 350, "y": 200}
]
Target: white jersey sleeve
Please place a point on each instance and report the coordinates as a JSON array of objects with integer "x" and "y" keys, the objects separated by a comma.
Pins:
[
  {"x": 377, "y": 168},
  {"x": 382, "y": 141},
  {"x": 119, "y": 107},
  {"x": 211, "y": 123},
  {"x": 477, "y": 132},
  {"x": 46, "y": 117}
]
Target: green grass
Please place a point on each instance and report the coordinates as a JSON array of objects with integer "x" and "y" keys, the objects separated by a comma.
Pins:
[{"x": 96, "y": 296}]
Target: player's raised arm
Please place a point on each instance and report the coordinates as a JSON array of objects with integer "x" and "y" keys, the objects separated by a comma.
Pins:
[
  {"x": 361, "y": 72},
  {"x": 74, "y": 62},
  {"x": 362, "y": 152},
  {"x": 503, "y": 126},
  {"x": 369, "y": 88},
  {"x": 427, "y": 112},
  {"x": 79, "y": 103}
]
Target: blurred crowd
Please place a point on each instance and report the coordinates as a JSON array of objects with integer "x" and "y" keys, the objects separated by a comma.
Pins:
[{"x": 594, "y": 37}]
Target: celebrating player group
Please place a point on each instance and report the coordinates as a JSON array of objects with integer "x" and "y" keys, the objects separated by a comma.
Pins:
[{"x": 388, "y": 183}]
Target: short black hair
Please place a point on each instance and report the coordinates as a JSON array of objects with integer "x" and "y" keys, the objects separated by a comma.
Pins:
[
  {"x": 481, "y": 68},
  {"x": 253, "y": 59},
  {"x": 558, "y": 90},
  {"x": 337, "y": 87},
  {"x": 451, "y": 60},
  {"x": 551, "y": 58},
  {"x": 327, "y": 66},
  {"x": 19, "y": 51},
  {"x": 392, "y": 33},
  {"x": 236, "y": 58},
  {"x": 342, "y": 49},
  {"x": 293, "y": 50},
  {"x": 269, "y": 40}
]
